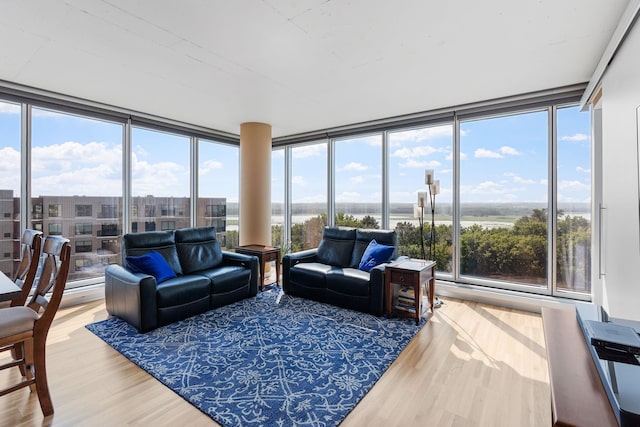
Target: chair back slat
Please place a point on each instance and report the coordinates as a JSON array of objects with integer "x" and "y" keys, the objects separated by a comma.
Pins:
[
  {"x": 26, "y": 273},
  {"x": 56, "y": 253},
  {"x": 40, "y": 300}
]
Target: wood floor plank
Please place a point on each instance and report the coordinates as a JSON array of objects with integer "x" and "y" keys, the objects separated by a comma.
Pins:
[{"x": 471, "y": 365}]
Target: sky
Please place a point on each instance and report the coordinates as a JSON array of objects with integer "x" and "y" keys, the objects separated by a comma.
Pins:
[{"x": 502, "y": 160}]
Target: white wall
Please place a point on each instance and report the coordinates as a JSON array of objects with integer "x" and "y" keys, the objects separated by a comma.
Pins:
[{"x": 621, "y": 222}]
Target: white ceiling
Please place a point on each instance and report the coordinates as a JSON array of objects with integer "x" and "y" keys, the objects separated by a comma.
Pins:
[{"x": 300, "y": 65}]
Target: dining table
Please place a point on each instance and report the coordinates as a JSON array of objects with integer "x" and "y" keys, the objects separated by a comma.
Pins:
[{"x": 8, "y": 289}]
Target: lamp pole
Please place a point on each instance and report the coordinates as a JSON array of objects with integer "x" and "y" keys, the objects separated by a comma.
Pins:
[
  {"x": 432, "y": 201},
  {"x": 422, "y": 202},
  {"x": 434, "y": 189}
]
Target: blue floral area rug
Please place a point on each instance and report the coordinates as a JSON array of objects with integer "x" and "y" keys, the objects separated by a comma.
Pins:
[{"x": 272, "y": 360}]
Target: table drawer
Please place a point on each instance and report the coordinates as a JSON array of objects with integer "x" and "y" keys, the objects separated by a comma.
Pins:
[
  {"x": 403, "y": 277},
  {"x": 273, "y": 256}
]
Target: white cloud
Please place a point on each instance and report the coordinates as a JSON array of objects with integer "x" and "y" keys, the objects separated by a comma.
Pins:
[
  {"x": 518, "y": 179},
  {"x": 510, "y": 151},
  {"x": 298, "y": 180},
  {"x": 491, "y": 192},
  {"x": 575, "y": 137},
  {"x": 420, "y": 151},
  {"x": 312, "y": 198},
  {"x": 581, "y": 169},
  {"x": 568, "y": 185},
  {"x": 348, "y": 196},
  {"x": 353, "y": 166},
  {"x": 422, "y": 134},
  {"x": 208, "y": 165},
  {"x": 484, "y": 153},
  {"x": 488, "y": 187},
  {"x": 521, "y": 180},
  {"x": 6, "y": 108},
  {"x": 412, "y": 163},
  {"x": 357, "y": 179},
  {"x": 160, "y": 179},
  {"x": 73, "y": 168},
  {"x": 309, "y": 151},
  {"x": 463, "y": 156},
  {"x": 10, "y": 169},
  {"x": 505, "y": 150}
]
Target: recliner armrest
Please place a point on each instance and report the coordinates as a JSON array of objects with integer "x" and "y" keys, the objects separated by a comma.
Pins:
[
  {"x": 310, "y": 255},
  {"x": 289, "y": 260},
  {"x": 376, "y": 289},
  {"x": 131, "y": 296},
  {"x": 247, "y": 261}
]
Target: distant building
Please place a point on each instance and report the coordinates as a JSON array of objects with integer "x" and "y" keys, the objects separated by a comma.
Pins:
[{"x": 94, "y": 225}]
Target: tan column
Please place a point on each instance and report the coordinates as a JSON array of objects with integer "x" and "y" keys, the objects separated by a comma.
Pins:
[{"x": 255, "y": 184}]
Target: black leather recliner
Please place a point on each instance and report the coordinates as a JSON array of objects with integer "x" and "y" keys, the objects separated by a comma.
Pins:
[
  {"x": 207, "y": 277},
  {"x": 330, "y": 272}
]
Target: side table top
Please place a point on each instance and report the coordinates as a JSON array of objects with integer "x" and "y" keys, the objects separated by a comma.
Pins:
[
  {"x": 412, "y": 264},
  {"x": 258, "y": 248}
]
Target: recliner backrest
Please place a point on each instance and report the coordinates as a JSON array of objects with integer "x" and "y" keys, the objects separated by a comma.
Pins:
[
  {"x": 365, "y": 236},
  {"x": 163, "y": 242},
  {"x": 198, "y": 249},
  {"x": 336, "y": 246}
]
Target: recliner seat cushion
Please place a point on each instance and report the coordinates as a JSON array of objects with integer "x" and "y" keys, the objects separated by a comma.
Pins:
[
  {"x": 310, "y": 274},
  {"x": 198, "y": 249},
  {"x": 348, "y": 281},
  {"x": 182, "y": 290},
  {"x": 336, "y": 246},
  {"x": 227, "y": 278}
]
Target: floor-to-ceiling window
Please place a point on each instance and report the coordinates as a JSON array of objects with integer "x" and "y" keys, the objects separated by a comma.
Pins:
[
  {"x": 76, "y": 187},
  {"x": 9, "y": 187},
  {"x": 218, "y": 180},
  {"x": 411, "y": 153},
  {"x": 308, "y": 195},
  {"x": 160, "y": 180},
  {"x": 71, "y": 163},
  {"x": 513, "y": 204},
  {"x": 358, "y": 181},
  {"x": 504, "y": 198},
  {"x": 573, "y": 222}
]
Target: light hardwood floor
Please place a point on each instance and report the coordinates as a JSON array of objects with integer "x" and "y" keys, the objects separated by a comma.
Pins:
[{"x": 471, "y": 365}]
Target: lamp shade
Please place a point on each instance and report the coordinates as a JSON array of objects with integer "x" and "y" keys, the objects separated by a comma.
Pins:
[
  {"x": 435, "y": 187},
  {"x": 428, "y": 176},
  {"x": 422, "y": 199}
]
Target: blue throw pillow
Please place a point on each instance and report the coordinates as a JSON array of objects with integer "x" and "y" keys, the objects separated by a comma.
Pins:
[
  {"x": 151, "y": 263},
  {"x": 375, "y": 254}
]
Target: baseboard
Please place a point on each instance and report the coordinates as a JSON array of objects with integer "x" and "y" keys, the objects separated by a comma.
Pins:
[
  {"x": 82, "y": 294},
  {"x": 501, "y": 297},
  {"x": 498, "y": 297}
]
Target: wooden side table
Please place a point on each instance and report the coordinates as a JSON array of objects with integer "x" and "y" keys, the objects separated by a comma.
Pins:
[
  {"x": 265, "y": 254},
  {"x": 410, "y": 273}
]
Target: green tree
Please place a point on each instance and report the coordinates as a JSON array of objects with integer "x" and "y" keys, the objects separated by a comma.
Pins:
[{"x": 369, "y": 222}]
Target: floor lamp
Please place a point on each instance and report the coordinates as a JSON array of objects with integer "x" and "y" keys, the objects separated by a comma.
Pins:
[
  {"x": 422, "y": 203},
  {"x": 434, "y": 190}
]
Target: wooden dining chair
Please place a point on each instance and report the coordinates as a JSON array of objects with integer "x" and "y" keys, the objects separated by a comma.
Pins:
[
  {"x": 24, "y": 329},
  {"x": 25, "y": 276}
]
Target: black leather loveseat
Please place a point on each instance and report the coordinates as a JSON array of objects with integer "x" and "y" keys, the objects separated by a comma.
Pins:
[
  {"x": 330, "y": 272},
  {"x": 205, "y": 277}
]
